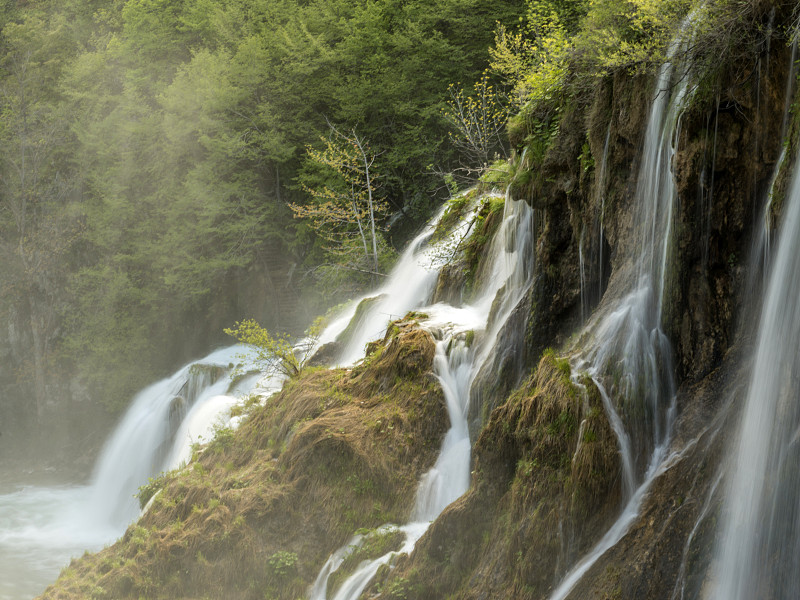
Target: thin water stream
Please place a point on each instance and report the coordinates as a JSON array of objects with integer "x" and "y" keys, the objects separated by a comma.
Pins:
[
  {"x": 456, "y": 364},
  {"x": 623, "y": 347}
]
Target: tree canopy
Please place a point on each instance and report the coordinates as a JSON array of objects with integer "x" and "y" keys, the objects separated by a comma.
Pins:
[{"x": 152, "y": 149}]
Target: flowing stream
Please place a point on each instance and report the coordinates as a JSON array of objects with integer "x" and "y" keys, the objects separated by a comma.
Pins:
[
  {"x": 759, "y": 550},
  {"x": 623, "y": 348},
  {"x": 409, "y": 286},
  {"x": 41, "y": 528},
  {"x": 456, "y": 364}
]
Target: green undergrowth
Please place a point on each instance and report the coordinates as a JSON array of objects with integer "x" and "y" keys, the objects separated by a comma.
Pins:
[
  {"x": 464, "y": 258},
  {"x": 456, "y": 207},
  {"x": 259, "y": 509}
]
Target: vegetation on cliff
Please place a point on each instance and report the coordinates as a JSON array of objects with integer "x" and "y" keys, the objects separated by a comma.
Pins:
[
  {"x": 545, "y": 462},
  {"x": 340, "y": 450},
  {"x": 259, "y": 509}
]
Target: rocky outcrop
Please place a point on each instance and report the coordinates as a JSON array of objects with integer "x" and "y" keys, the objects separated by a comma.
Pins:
[{"x": 546, "y": 461}]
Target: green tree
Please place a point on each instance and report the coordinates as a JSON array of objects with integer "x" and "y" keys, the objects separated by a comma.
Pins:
[
  {"x": 479, "y": 122},
  {"x": 37, "y": 222},
  {"x": 277, "y": 353},
  {"x": 350, "y": 200}
]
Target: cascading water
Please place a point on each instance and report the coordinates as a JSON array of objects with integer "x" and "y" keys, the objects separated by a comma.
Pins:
[
  {"x": 157, "y": 432},
  {"x": 625, "y": 352},
  {"x": 456, "y": 364},
  {"x": 41, "y": 528},
  {"x": 410, "y": 285},
  {"x": 762, "y": 252},
  {"x": 759, "y": 550}
]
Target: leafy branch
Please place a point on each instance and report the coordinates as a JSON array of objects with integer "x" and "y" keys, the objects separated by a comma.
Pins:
[{"x": 277, "y": 353}]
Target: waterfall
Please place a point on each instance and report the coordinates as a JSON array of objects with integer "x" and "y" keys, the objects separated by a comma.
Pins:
[
  {"x": 41, "y": 528},
  {"x": 409, "y": 286},
  {"x": 625, "y": 351},
  {"x": 456, "y": 363},
  {"x": 759, "y": 550},
  {"x": 158, "y": 431}
]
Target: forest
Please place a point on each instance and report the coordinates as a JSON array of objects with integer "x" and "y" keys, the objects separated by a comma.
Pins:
[{"x": 153, "y": 150}]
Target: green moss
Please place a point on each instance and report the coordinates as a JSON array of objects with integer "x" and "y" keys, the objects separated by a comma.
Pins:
[
  {"x": 469, "y": 338},
  {"x": 357, "y": 322},
  {"x": 497, "y": 175},
  {"x": 561, "y": 364},
  {"x": 453, "y": 213},
  {"x": 487, "y": 222},
  {"x": 152, "y": 487},
  {"x": 565, "y": 424},
  {"x": 586, "y": 159},
  {"x": 376, "y": 543}
]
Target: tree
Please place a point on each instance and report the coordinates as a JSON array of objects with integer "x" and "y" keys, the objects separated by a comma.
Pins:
[
  {"x": 37, "y": 226},
  {"x": 347, "y": 200},
  {"x": 479, "y": 121},
  {"x": 277, "y": 353},
  {"x": 532, "y": 61}
]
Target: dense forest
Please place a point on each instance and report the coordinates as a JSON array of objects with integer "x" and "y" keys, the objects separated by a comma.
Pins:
[{"x": 153, "y": 151}]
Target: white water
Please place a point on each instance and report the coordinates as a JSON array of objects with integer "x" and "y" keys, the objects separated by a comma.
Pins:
[
  {"x": 759, "y": 551},
  {"x": 410, "y": 285},
  {"x": 511, "y": 263},
  {"x": 41, "y": 528},
  {"x": 625, "y": 351}
]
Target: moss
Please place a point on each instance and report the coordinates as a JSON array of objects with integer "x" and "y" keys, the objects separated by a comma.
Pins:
[
  {"x": 334, "y": 451},
  {"x": 469, "y": 338},
  {"x": 357, "y": 322},
  {"x": 456, "y": 207},
  {"x": 561, "y": 364},
  {"x": 488, "y": 222},
  {"x": 152, "y": 487},
  {"x": 498, "y": 175},
  {"x": 377, "y": 543},
  {"x": 537, "y": 471}
]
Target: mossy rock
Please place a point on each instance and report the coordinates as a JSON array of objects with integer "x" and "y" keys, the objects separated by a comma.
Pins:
[
  {"x": 327, "y": 355},
  {"x": 333, "y": 452},
  {"x": 357, "y": 322},
  {"x": 541, "y": 484}
]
